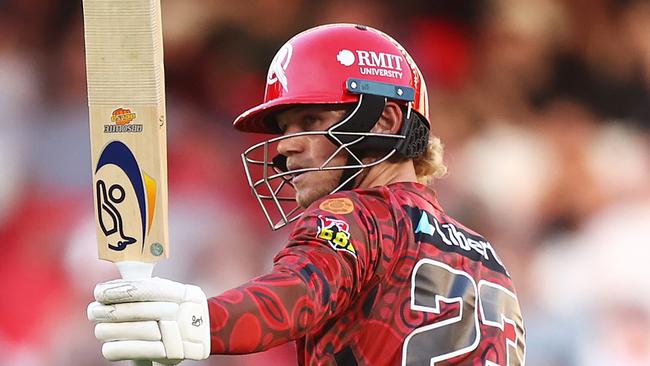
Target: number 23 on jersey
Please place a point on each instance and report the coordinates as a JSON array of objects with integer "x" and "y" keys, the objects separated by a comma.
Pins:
[{"x": 436, "y": 285}]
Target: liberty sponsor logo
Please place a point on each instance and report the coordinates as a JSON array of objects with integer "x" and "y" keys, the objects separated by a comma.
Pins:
[
  {"x": 373, "y": 63},
  {"x": 279, "y": 66},
  {"x": 452, "y": 238},
  {"x": 121, "y": 119}
]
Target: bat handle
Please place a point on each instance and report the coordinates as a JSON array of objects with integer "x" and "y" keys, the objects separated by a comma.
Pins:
[
  {"x": 143, "y": 363},
  {"x": 132, "y": 270}
]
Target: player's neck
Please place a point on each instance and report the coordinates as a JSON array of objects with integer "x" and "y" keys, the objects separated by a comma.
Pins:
[{"x": 388, "y": 172}]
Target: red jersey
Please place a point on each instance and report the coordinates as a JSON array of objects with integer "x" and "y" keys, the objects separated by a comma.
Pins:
[{"x": 378, "y": 276}]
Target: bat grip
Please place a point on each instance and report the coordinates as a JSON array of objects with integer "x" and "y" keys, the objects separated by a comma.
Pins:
[
  {"x": 143, "y": 363},
  {"x": 132, "y": 270}
]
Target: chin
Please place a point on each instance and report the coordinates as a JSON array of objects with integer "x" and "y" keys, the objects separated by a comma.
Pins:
[
  {"x": 315, "y": 187},
  {"x": 305, "y": 199}
]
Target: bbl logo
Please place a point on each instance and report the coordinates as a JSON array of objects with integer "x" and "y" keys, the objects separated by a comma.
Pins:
[
  {"x": 336, "y": 233},
  {"x": 110, "y": 196},
  {"x": 121, "y": 119}
]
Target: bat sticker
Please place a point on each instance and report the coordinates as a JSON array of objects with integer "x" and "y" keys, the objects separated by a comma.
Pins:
[
  {"x": 118, "y": 154},
  {"x": 121, "y": 119},
  {"x": 105, "y": 201}
]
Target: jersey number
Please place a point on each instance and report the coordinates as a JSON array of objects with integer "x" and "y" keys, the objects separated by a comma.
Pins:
[{"x": 435, "y": 285}]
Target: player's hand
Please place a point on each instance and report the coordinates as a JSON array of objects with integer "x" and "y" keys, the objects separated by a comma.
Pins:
[{"x": 151, "y": 319}]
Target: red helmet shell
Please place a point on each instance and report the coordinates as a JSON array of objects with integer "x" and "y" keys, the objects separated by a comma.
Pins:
[{"x": 313, "y": 67}]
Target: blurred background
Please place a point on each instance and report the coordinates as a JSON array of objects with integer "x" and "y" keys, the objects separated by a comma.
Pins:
[{"x": 543, "y": 106}]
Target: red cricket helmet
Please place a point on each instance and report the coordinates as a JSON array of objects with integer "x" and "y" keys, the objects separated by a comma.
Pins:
[
  {"x": 316, "y": 66},
  {"x": 334, "y": 64}
]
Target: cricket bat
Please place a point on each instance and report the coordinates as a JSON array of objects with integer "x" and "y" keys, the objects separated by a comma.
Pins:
[{"x": 126, "y": 102}]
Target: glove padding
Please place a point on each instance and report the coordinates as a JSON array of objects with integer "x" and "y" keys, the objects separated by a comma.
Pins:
[{"x": 151, "y": 319}]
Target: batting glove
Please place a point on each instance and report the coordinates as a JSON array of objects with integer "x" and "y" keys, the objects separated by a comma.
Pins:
[{"x": 151, "y": 319}]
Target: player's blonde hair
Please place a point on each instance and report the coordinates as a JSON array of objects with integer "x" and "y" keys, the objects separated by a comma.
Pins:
[{"x": 431, "y": 164}]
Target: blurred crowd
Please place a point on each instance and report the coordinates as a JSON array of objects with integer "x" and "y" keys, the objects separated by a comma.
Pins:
[{"x": 543, "y": 106}]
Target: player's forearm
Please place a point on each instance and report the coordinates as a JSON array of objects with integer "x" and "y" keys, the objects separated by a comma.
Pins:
[
  {"x": 281, "y": 306},
  {"x": 270, "y": 310}
]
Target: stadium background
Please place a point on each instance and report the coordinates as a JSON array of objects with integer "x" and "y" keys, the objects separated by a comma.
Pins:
[{"x": 543, "y": 106}]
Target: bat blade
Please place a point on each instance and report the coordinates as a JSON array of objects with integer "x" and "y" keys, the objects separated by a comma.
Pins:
[{"x": 126, "y": 101}]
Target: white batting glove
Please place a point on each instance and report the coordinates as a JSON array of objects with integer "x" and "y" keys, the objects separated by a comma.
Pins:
[{"x": 151, "y": 319}]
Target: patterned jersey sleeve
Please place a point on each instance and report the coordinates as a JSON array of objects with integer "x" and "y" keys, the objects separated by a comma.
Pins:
[{"x": 328, "y": 258}]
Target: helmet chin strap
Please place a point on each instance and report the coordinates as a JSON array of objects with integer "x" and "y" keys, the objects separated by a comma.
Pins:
[
  {"x": 362, "y": 118},
  {"x": 410, "y": 142},
  {"x": 348, "y": 177}
]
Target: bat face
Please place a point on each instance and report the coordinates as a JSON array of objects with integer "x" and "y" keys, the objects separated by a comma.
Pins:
[
  {"x": 129, "y": 183},
  {"x": 126, "y": 100}
]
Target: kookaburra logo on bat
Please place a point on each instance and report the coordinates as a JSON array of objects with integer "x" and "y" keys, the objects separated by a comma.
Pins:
[
  {"x": 106, "y": 201},
  {"x": 110, "y": 195}
]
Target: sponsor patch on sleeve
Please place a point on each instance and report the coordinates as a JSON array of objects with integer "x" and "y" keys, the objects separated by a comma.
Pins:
[
  {"x": 336, "y": 233},
  {"x": 339, "y": 206}
]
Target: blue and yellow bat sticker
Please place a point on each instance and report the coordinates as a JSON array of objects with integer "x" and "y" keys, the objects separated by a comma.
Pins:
[{"x": 108, "y": 198}]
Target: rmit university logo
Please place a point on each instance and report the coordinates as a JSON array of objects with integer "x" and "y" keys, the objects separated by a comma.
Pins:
[
  {"x": 121, "y": 119},
  {"x": 373, "y": 63},
  {"x": 129, "y": 187},
  {"x": 279, "y": 66}
]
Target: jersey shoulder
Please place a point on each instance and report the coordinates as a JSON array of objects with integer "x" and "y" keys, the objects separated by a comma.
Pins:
[
  {"x": 346, "y": 202},
  {"x": 346, "y": 221},
  {"x": 449, "y": 236}
]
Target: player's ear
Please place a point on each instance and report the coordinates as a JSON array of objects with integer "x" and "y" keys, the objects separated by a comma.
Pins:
[{"x": 390, "y": 120}]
